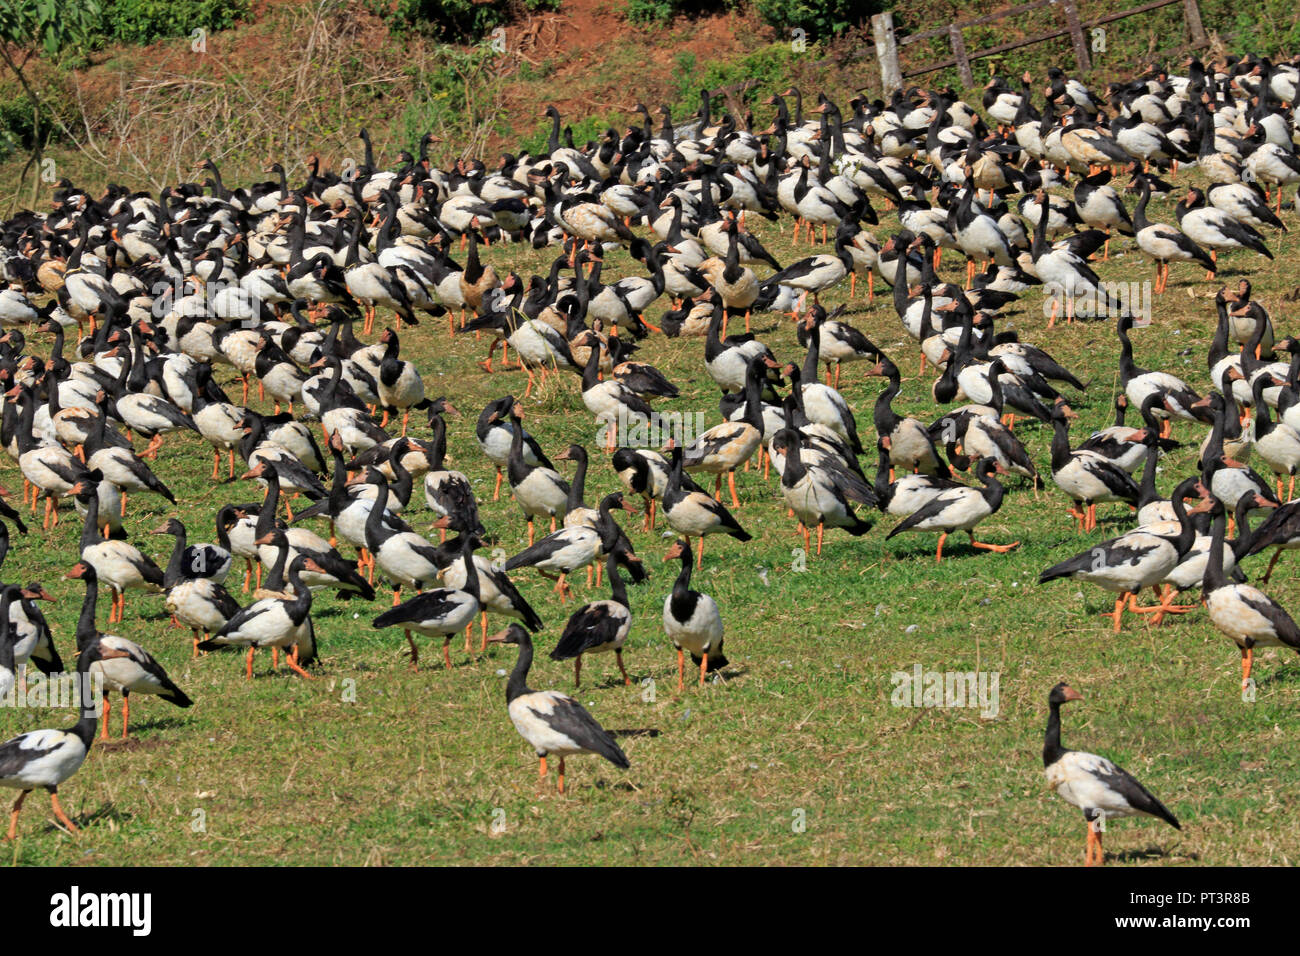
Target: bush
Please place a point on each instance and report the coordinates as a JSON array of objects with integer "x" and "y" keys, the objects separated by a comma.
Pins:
[
  {"x": 821, "y": 19},
  {"x": 143, "y": 21},
  {"x": 650, "y": 11},
  {"x": 459, "y": 21}
]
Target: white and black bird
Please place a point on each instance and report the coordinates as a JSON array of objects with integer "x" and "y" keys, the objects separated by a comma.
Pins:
[
  {"x": 598, "y": 627},
  {"x": 553, "y": 724},
  {"x": 1102, "y": 790},
  {"x": 1241, "y": 611},
  {"x": 47, "y": 758},
  {"x": 692, "y": 620}
]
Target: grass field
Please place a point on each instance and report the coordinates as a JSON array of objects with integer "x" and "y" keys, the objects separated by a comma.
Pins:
[{"x": 794, "y": 755}]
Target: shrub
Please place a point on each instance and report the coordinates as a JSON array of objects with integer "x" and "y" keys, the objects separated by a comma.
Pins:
[
  {"x": 143, "y": 21},
  {"x": 650, "y": 11},
  {"x": 459, "y": 21},
  {"x": 821, "y": 19}
]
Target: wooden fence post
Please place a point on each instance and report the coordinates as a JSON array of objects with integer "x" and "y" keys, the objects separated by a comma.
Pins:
[
  {"x": 891, "y": 77},
  {"x": 1076, "y": 35},
  {"x": 959, "y": 54},
  {"x": 1192, "y": 14}
]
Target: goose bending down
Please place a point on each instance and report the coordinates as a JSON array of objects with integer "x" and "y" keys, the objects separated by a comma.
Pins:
[
  {"x": 126, "y": 667},
  {"x": 148, "y": 415},
  {"x": 1133, "y": 561},
  {"x": 194, "y": 561},
  {"x": 1102, "y": 790},
  {"x": 440, "y": 612},
  {"x": 48, "y": 758},
  {"x": 274, "y": 622},
  {"x": 571, "y": 548},
  {"x": 960, "y": 509},
  {"x": 448, "y": 493},
  {"x": 553, "y": 724},
  {"x": 692, "y": 620},
  {"x": 1241, "y": 611},
  {"x": 643, "y": 472},
  {"x": 598, "y": 627}
]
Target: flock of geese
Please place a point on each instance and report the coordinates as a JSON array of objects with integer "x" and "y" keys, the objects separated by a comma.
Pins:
[{"x": 153, "y": 307}]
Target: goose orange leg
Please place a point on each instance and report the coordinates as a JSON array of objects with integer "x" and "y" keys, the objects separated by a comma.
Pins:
[
  {"x": 59, "y": 814},
  {"x": 681, "y": 669},
  {"x": 996, "y": 548},
  {"x": 13, "y": 815}
]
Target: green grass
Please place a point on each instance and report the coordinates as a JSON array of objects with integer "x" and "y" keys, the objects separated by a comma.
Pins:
[{"x": 420, "y": 767}]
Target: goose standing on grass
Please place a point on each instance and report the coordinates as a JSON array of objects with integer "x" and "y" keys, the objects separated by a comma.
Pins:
[
  {"x": 47, "y": 758},
  {"x": 8, "y": 664},
  {"x": 126, "y": 666},
  {"x": 118, "y": 564},
  {"x": 1096, "y": 786},
  {"x": 571, "y": 548},
  {"x": 613, "y": 403},
  {"x": 1086, "y": 476},
  {"x": 406, "y": 558},
  {"x": 553, "y": 724},
  {"x": 1241, "y": 611},
  {"x": 494, "y": 432},
  {"x": 725, "y": 447},
  {"x": 694, "y": 513},
  {"x": 1139, "y": 559},
  {"x": 1215, "y": 229},
  {"x": 1163, "y": 243},
  {"x": 198, "y": 601},
  {"x": 1177, "y": 398},
  {"x": 598, "y": 627},
  {"x": 692, "y": 620},
  {"x": 960, "y": 509},
  {"x": 440, "y": 612},
  {"x": 821, "y": 493},
  {"x": 1275, "y": 442},
  {"x": 400, "y": 385},
  {"x": 46, "y": 468},
  {"x": 121, "y": 466},
  {"x": 273, "y": 622},
  {"x": 539, "y": 489}
]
